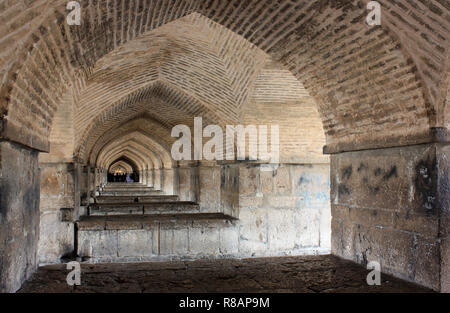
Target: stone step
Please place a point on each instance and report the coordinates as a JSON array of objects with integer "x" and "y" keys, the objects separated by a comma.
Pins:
[
  {"x": 132, "y": 193},
  {"x": 128, "y": 188},
  {"x": 136, "y": 221},
  {"x": 136, "y": 199},
  {"x": 125, "y": 185},
  {"x": 147, "y": 208}
]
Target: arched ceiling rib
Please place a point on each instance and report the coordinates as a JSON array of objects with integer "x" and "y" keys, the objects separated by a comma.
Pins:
[
  {"x": 149, "y": 158},
  {"x": 150, "y": 150},
  {"x": 142, "y": 124},
  {"x": 122, "y": 165},
  {"x": 169, "y": 106},
  {"x": 132, "y": 155}
]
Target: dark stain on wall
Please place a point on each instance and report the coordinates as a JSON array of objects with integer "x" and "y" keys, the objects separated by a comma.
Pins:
[
  {"x": 344, "y": 190},
  {"x": 377, "y": 171},
  {"x": 4, "y": 192},
  {"x": 391, "y": 173},
  {"x": 373, "y": 189},
  {"x": 347, "y": 173},
  {"x": 362, "y": 166},
  {"x": 426, "y": 184}
]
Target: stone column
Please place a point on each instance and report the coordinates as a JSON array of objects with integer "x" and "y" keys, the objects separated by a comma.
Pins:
[
  {"x": 88, "y": 184},
  {"x": 77, "y": 187},
  {"x": 168, "y": 181},
  {"x": 149, "y": 177},
  {"x": 19, "y": 214},
  {"x": 391, "y": 205},
  {"x": 157, "y": 179},
  {"x": 209, "y": 191},
  {"x": 188, "y": 181}
]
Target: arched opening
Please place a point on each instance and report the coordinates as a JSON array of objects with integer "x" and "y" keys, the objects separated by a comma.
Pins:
[{"x": 122, "y": 170}]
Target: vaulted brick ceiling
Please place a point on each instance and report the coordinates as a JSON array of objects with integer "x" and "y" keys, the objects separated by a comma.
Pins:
[
  {"x": 370, "y": 84},
  {"x": 148, "y": 151},
  {"x": 121, "y": 165}
]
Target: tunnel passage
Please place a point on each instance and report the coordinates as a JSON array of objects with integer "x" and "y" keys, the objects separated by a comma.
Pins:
[
  {"x": 375, "y": 97},
  {"x": 122, "y": 170}
]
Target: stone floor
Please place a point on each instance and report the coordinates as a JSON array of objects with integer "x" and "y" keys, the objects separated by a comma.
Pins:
[{"x": 310, "y": 274}]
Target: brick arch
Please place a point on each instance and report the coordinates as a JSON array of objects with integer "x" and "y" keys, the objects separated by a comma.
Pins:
[
  {"x": 121, "y": 164},
  {"x": 163, "y": 105},
  {"x": 131, "y": 155},
  {"x": 141, "y": 124},
  {"x": 144, "y": 143},
  {"x": 324, "y": 43},
  {"x": 148, "y": 158}
]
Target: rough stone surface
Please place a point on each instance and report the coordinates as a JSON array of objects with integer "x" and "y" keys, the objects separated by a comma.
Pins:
[
  {"x": 389, "y": 206},
  {"x": 312, "y": 274},
  {"x": 19, "y": 215},
  {"x": 56, "y": 238},
  {"x": 292, "y": 217}
]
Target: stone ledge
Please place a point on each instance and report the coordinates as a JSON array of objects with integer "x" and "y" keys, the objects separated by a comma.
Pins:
[
  {"x": 143, "y": 221},
  {"x": 148, "y": 208},
  {"x": 433, "y": 135}
]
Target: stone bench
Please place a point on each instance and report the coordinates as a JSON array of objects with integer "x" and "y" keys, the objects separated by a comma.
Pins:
[
  {"x": 139, "y": 199},
  {"x": 145, "y": 208},
  {"x": 131, "y": 238}
]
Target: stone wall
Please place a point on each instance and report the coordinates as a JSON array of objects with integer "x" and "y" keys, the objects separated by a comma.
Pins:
[
  {"x": 19, "y": 214},
  {"x": 283, "y": 211},
  {"x": 387, "y": 206},
  {"x": 57, "y": 191}
]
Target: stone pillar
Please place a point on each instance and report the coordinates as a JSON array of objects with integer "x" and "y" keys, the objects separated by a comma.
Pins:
[
  {"x": 443, "y": 192},
  {"x": 149, "y": 177},
  {"x": 104, "y": 177},
  {"x": 187, "y": 181},
  {"x": 209, "y": 191},
  {"x": 391, "y": 205},
  {"x": 229, "y": 189},
  {"x": 77, "y": 187},
  {"x": 19, "y": 214},
  {"x": 88, "y": 184},
  {"x": 168, "y": 181},
  {"x": 96, "y": 181},
  {"x": 157, "y": 179}
]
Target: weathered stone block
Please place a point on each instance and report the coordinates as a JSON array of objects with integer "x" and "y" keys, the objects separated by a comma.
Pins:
[
  {"x": 229, "y": 240},
  {"x": 248, "y": 180},
  {"x": 98, "y": 243},
  {"x": 281, "y": 230},
  {"x": 252, "y": 231},
  {"x": 282, "y": 177},
  {"x": 19, "y": 214},
  {"x": 427, "y": 265},
  {"x": 204, "y": 241},
  {"x": 267, "y": 182},
  {"x": 308, "y": 228},
  {"x": 445, "y": 265},
  {"x": 180, "y": 244},
  {"x": 135, "y": 243}
]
